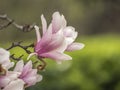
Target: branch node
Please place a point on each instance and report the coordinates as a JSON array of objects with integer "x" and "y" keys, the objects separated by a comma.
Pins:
[{"x": 24, "y": 28}]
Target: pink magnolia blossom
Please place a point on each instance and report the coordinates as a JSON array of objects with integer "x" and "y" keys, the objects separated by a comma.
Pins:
[
  {"x": 28, "y": 75},
  {"x": 56, "y": 39},
  {"x": 10, "y": 81},
  {"x": 17, "y": 84},
  {"x": 6, "y": 79},
  {"x": 4, "y": 59}
]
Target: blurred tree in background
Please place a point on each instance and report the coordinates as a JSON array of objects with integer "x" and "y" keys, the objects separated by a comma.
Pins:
[
  {"x": 97, "y": 67},
  {"x": 88, "y": 16}
]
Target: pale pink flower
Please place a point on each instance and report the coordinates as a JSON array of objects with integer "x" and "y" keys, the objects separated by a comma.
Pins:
[
  {"x": 28, "y": 75},
  {"x": 17, "y": 84},
  {"x": 56, "y": 39},
  {"x": 59, "y": 23},
  {"x": 4, "y": 59},
  {"x": 10, "y": 81}
]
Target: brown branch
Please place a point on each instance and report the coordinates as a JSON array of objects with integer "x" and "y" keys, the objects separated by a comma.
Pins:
[
  {"x": 16, "y": 58},
  {"x": 18, "y": 44},
  {"x": 14, "y": 44},
  {"x": 24, "y": 28},
  {"x": 41, "y": 66}
]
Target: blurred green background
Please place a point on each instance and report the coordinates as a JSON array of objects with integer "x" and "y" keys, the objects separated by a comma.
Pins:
[{"x": 97, "y": 66}]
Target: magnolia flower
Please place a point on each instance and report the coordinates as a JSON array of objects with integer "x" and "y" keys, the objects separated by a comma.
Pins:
[
  {"x": 59, "y": 24},
  {"x": 4, "y": 59},
  {"x": 28, "y": 75},
  {"x": 56, "y": 39},
  {"x": 10, "y": 81},
  {"x": 17, "y": 84}
]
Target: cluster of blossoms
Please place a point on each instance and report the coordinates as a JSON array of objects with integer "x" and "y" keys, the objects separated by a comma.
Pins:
[
  {"x": 18, "y": 78},
  {"x": 55, "y": 39}
]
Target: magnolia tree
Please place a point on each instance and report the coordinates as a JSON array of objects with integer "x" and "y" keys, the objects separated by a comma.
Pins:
[{"x": 54, "y": 40}]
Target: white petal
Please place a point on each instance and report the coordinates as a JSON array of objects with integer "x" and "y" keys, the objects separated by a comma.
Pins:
[
  {"x": 39, "y": 78},
  {"x": 15, "y": 85},
  {"x": 37, "y": 33},
  {"x": 27, "y": 68},
  {"x": 58, "y": 56},
  {"x": 4, "y": 55},
  {"x": 12, "y": 75},
  {"x": 70, "y": 34},
  {"x": 47, "y": 36},
  {"x": 75, "y": 46},
  {"x": 64, "y": 23},
  {"x": 56, "y": 22},
  {"x": 56, "y": 43},
  {"x": 7, "y": 64},
  {"x": 44, "y": 24},
  {"x": 19, "y": 66},
  {"x": 4, "y": 81}
]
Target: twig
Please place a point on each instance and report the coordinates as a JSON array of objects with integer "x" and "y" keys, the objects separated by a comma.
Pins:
[
  {"x": 14, "y": 44},
  {"x": 14, "y": 58},
  {"x": 41, "y": 66},
  {"x": 18, "y": 44},
  {"x": 24, "y": 28}
]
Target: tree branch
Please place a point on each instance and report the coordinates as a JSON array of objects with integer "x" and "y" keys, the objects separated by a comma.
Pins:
[
  {"x": 18, "y": 44},
  {"x": 24, "y": 28},
  {"x": 41, "y": 66},
  {"x": 14, "y": 58}
]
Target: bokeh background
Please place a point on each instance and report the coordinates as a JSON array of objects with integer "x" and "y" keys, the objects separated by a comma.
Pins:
[{"x": 97, "y": 66}]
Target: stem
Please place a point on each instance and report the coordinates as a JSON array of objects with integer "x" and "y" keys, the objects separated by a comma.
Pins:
[
  {"x": 43, "y": 65},
  {"x": 14, "y": 58},
  {"x": 2, "y": 70},
  {"x": 18, "y": 44},
  {"x": 24, "y": 28}
]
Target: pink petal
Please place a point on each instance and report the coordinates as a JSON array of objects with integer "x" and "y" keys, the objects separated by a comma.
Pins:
[
  {"x": 70, "y": 34},
  {"x": 19, "y": 66},
  {"x": 39, "y": 77},
  {"x": 45, "y": 39},
  {"x": 56, "y": 41},
  {"x": 75, "y": 46},
  {"x": 64, "y": 23},
  {"x": 57, "y": 56},
  {"x": 32, "y": 77},
  {"x": 4, "y": 81},
  {"x": 56, "y": 22},
  {"x": 37, "y": 33},
  {"x": 4, "y": 59},
  {"x": 4, "y": 55},
  {"x": 63, "y": 44},
  {"x": 44, "y": 24},
  {"x": 15, "y": 85},
  {"x": 69, "y": 31},
  {"x": 30, "y": 81},
  {"x": 12, "y": 75},
  {"x": 31, "y": 73},
  {"x": 27, "y": 68},
  {"x": 7, "y": 64}
]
